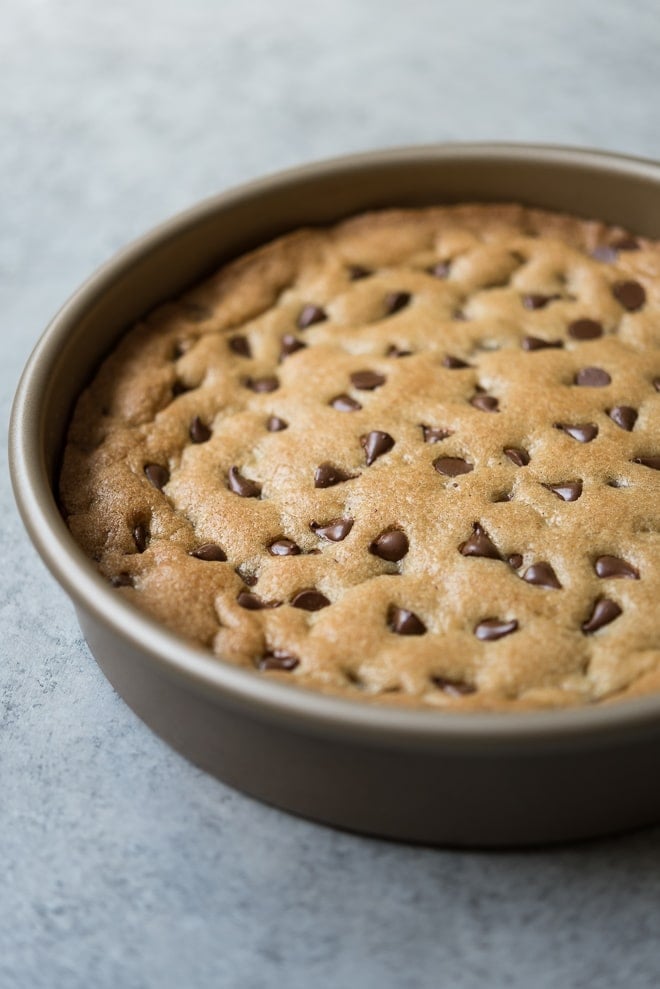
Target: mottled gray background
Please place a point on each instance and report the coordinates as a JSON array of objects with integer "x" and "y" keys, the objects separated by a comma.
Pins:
[{"x": 122, "y": 865}]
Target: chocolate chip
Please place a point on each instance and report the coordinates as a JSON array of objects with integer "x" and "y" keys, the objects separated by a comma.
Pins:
[
  {"x": 356, "y": 272},
  {"x": 278, "y": 659},
  {"x": 604, "y": 253},
  {"x": 290, "y": 345},
  {"x": 630, "y": 295},
  {"x": 480, "y": 544},
  {"x": 566, "y": 490},
  {"x": 391, "y": 545},
  {"x": 404, "y": 622},
  {"x": 453, "y": 363},
  {"x": 199, "y": 432},
  {"x": 267, "y": 384},
  {"x": 585, "y": 329},
  {"x": 517, "y": 455},
  {"x": 393, "y": 351},
  {"x": 656, "y": 384},
  {"x": 210, "y": 552},
  {"x": 375, "y": 444},
  {"x": 246, "y": 576},
  {"x": 250, "y": 601},
  {"x": 652, "y": 462},
  {"x": 536, "y": 300},
  {"x": 433, "y": 434},
  {"x": 626, "y": 242},
  {"x": 396, "y": 301},
  {"x": 157, "y": 475},
  {"x": 613, "y": 566},
  {"x": 452, "y": 466},
  {"x": 367, "y": 380},
  {"x": 122, "y": 579},
  {"x": 592, "y": 377},
  {"x": 498, "y": 499},
  {"x": 604, "y": 612},
  {"x": 327, "y": 475},
  {"x": 536, "y": 343},
  {"x": 583, "y": 434},
  {"x": 310, "y": 600},
  {"x": 344, "y": 403},
  {"x": 242, "y": 485},
  {"x": 141, "y": 536},
  {"x": 453, "y": 688},
  {"x": 309, "y": 315},
  {"x": 491, "y": 629},
  {"x": 485, "y": 403},
  {"x": 440, "y": 270},
  {"x": 335, "y": 530},
  {"x": 542, "y": 575},
  {"x": 240, "y": 345},
  {"x": 275, "y": 425},
  {"x": 283, "y": 547},
  {"x": 180, "y": 388},
  {"x": 515, "y": 560},
  {"x": 624, "y": 416}
]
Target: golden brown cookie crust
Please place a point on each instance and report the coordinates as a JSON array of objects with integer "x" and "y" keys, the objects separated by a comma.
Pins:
[{"x": 480, "y": 380}]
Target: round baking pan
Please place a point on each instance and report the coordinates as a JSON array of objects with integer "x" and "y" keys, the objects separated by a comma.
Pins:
[{"x": 492, "y": 779}]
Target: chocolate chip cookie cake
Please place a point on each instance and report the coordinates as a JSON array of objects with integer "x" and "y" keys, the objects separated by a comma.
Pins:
[{"x": 411, "y": 458}]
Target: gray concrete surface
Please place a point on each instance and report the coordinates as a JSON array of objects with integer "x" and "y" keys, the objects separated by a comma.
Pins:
[{"x": 122, "y": 865}]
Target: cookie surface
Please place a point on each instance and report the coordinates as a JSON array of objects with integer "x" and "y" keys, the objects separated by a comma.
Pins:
[{"x": 414, "y": 458}]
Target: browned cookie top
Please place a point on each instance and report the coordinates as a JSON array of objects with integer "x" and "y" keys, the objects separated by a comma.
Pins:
[{"x": 414, "y": 456}]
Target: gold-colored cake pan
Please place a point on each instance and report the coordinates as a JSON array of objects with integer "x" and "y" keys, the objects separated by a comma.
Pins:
[{"x": 483, "y": 779}]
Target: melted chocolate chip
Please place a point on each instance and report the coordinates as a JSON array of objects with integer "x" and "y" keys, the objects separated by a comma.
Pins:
[
  {"x": 335, "y": 530},
  {"x": 626, "y": 242},
  {"x": 289, "y": 345},
  {"x": 309, "y": 315},
  {"x": 491, "y": 629},
  {"x": 141, "y": 536},
  {"x": 542, "y": 575},
  {"x": 310, "y": 600},
  {"x": 283, "y": 547},
  {"x": 240, "y": 345},
  {"x": 260, "y": 385},
  {"x": 122, "y": 579},
  {"x": 275, "y": 425},
  {"x": 404, "y": 622},
  {"x": 367, "y": 380},
  {"x": 583, "y": 434},
  {"x": 536, "y": 300},
  {"x": 433, "y": 434},
  {"x": 485, "y": 403},
  {"x": 210, "y": 552},
  {"x": 629, "y": 294},
  {"x": 517, "y": 455},
  {"x": 327, "y": 475},
  {"x": 199, "y": 432},
  {"x": 624, "y": 416},
  {"x": 440, "y": 270},
  {"x": 242, "y": 485},
  {"x": 480, "y": 544},
  {"x": 278, "y": 659},
  {"x": 251, "y": 602},
  {"x": 396, "y": 301},
  {"x": 453, "y": 688},
  {"x": 592, "y": 377},
  {"x": 391, "y": 545},
  {"x": 453, "y": 363},
  {"x": 604, "y": 612},
  {"x": 356, "y": 272},
  {"x": 394, "y": 351},
  {"x": 585, "y": 329},
  {"x": 515, "y": 560},
  {"x": 375, "y": 444},
  {"x": 157, "y": 475},
  {"x": 566, "y": 490},
  {"x": 180, "y": 388},
  {"x": 344, "y": 403},
  {"x": 536, "y": 343},
  {"x": 452, "y": 466},
  {"x": 613, "y": 566},
  {"x": 652, "y": 462}
]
